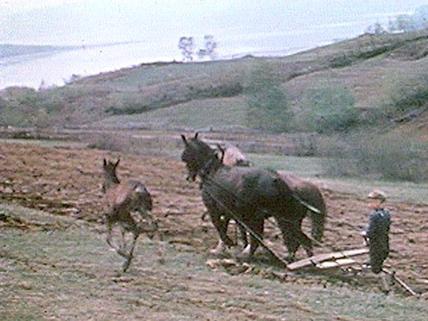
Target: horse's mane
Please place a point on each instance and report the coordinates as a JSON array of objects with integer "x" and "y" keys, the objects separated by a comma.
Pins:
[{"x": 201, "y": 147}]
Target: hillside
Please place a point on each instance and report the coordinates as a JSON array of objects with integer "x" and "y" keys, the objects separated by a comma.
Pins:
[{"x": 373, "y": 69}]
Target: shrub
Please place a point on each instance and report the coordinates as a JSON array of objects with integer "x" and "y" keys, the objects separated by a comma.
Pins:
[
  {"x": 409, "y": 96},
  {"x": 329, "y": 109},
  {"x": 390, "y": 156},
  {"x": 267, "y": 103},
  {"x": 223, "y": 89},
  {"x": 407, "y": 100}
]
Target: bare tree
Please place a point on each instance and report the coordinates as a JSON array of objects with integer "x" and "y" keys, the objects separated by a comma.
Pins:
[
  {"x": 210, "y": 46},
  {"x": 375, "y": 29},
  {"x": 186, "y": 45}
]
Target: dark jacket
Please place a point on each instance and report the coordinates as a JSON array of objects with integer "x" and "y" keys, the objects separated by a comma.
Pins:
[{"x": 378, "y": 236}]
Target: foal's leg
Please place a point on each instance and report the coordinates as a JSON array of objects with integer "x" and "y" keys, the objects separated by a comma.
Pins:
[
  {"x": 148, "y": 225},
  {"x": 109, "y": 240},
  {"x": 127, "y": 263},
  {"x": 130, "y": 225},
  {"x": 123, "y": 240},
  {"x": 109, "y": 232}
]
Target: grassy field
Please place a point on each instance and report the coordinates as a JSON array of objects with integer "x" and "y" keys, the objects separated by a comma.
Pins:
[
  {"x": 219, "y": 113},
  {"x": 311, "y": 168},
  {"x": 61, "y": 269}
]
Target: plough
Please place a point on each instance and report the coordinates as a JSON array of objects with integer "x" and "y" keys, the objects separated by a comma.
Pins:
[
  {"x": 343, "y": 259},
  {"x": 331, "y": 260}
]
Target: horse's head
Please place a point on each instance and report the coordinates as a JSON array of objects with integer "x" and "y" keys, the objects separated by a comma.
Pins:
[
  {"x": 109, "y": 171},
  {"x": 197, "y": 155}
]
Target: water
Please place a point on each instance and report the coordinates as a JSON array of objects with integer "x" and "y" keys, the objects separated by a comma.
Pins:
[{"x": 55, "y": 68}]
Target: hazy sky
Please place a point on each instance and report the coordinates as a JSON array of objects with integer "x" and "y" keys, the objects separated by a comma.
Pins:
[{"x": 99, "y": 21}]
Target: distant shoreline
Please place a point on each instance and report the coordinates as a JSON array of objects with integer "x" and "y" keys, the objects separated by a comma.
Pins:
[
  {"x": 14, "y": 50},
  {"x": 9, "y": 50}
]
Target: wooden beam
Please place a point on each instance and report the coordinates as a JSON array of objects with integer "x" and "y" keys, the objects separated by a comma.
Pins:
[
  {"x": 334, "y": 256},
  {"x": 400, "y": 282},
  {"x": 336, "y": 263}
]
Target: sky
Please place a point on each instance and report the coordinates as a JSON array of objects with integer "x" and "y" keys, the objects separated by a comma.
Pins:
[{"x": 75, "y": 22}]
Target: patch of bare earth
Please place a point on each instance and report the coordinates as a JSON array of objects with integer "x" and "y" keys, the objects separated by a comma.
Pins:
[{"x": 60, "y": 268}]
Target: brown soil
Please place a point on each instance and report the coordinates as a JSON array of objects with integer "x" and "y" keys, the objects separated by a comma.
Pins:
[{"x": 67, "y": 182}]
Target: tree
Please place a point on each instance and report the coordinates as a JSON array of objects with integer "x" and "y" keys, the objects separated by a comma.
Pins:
[
  {"x": 375, "y": 29},
  {"x": 402, "y": 23},
  {"x": 210, "y": 46},
  {"x": 407, "y": 23},
  {"x": 186, "y": 45},
  {"x": 329, "y": 109},
  {"x": 268, "y": 107}
]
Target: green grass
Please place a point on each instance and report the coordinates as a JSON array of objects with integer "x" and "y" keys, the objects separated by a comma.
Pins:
[
  {"x": 221, "y": 113},
  {"x": 301, "y": 166},
  {"x": 45, "y": 142},
  {"x": 312, "y": 168}
]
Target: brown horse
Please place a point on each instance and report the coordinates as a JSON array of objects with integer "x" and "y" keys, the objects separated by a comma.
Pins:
[
  {"x": 122, "y": 199},
  {"x": 305, "y": 190},
  {"x": 311, "y": 194},
  {"x": 246, "y": 194}
]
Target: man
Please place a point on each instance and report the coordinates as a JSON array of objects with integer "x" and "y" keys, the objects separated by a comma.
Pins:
[{"x": 377, "y": 232}]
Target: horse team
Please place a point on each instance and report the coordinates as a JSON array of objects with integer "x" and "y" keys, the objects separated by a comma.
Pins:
[{"x": 231, "y": 189}]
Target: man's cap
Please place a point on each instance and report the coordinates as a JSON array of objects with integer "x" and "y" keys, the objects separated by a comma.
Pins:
[{"x": 377, "y": 194}]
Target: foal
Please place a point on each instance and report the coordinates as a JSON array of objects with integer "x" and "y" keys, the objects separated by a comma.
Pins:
[{"x": 123, "y": 198}]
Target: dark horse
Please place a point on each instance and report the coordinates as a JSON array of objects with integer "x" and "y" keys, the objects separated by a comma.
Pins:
[
  {"x": 247, "y": 194},
  {"x": 305, "y": 190}
]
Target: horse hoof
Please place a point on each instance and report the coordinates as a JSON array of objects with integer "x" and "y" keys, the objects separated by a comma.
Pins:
[
  {"x": 126, "y": 264},
  {"x": 245, "y": 254},
  {"x": 309, "y": 253},
  {"x": 216, "y": 251},
  {"x": 220, "y": 249},
  {"x": 290, "y": 259}
]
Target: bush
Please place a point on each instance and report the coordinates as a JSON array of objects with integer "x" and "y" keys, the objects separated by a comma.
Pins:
[
  {"x": 410, "y": 96},
  {"x": 138, "y": 103},
  {"x": 390, "y": 156},
  {"x": 267, "y": 103},
  {"x": 407, "y": 100},
  {"x": 223, "y": 89},
  {"x": 327, "y": 110}
]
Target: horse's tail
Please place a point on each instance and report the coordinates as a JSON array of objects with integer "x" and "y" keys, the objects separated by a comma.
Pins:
[{"x": 318, "y": 219}]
